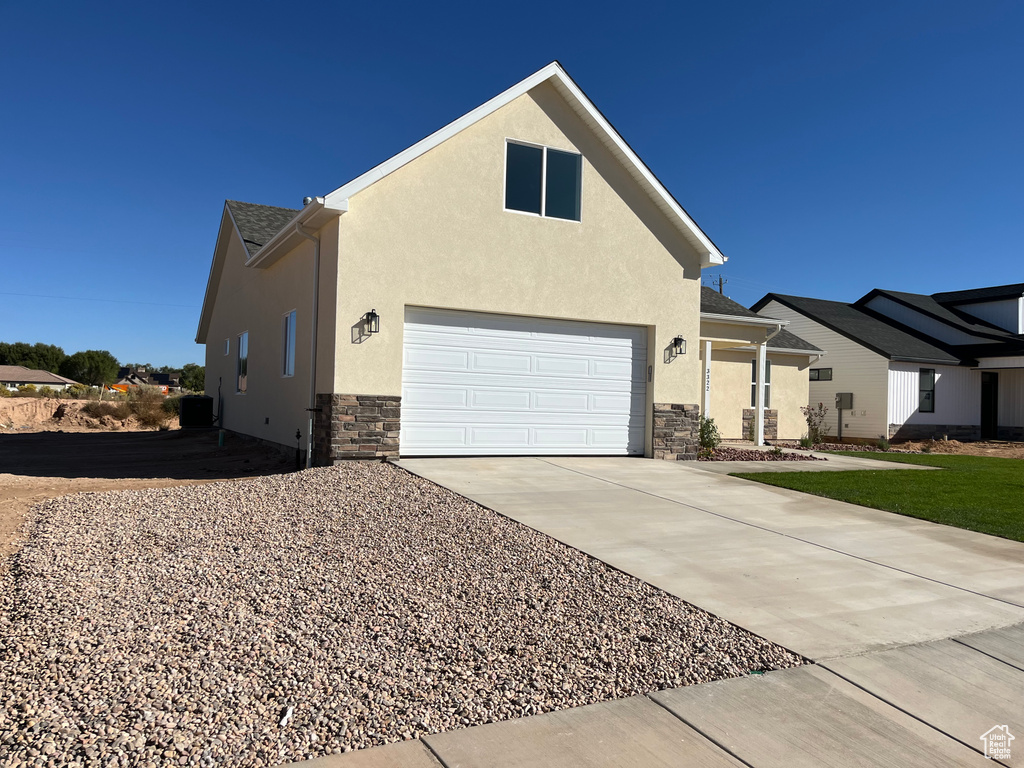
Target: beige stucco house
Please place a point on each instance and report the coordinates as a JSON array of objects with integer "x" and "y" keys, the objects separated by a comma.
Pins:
[{"x": 518, "y": 282}]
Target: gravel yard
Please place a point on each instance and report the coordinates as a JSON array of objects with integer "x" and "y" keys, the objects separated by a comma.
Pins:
[{"x": 268, "y": 620}]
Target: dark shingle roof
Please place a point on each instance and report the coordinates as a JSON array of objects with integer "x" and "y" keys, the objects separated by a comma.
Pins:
[
  {"x": 259, "y": 223},
  {"x": 786, "y": 340},
  {"x": 929, "y": 306},
  {"x": 715, "y": 303},
  {"x": 996, "y": 292},
  {"x": 863, "y": 328}
]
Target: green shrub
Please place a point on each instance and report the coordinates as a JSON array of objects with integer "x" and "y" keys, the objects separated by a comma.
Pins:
[
  {"x": 883, "y": 443},
  {"x": 47, "y": 392},
  {"x": 708, "y": 434},
  {"x": 147, "y": 404},
  {"x": 4, "y": 391},
  {"x": 775, "y": 451},
  {"x": 100, "y": 408},
  {"x": 77, "y": 391},
  {"x": 806, "y": 442},
  {"x": 27, "y": 390},
  {"x": 172, "y": 405}
]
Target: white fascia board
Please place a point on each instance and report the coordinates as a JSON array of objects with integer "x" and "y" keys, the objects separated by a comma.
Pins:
[
  {"x": 310, "y": 215},
  {"x": 201, "y": 330},
  {"x": 711, "y": 256},
  {"x": 737, "y": 320}
]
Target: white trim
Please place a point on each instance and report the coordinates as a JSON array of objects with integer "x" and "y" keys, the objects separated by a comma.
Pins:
[
  {"x": 578, "y": 100},
  {"x": 227, "y": 347},
  {"x": 737, "y": 320},
  {"x": 285, "y": 347}
]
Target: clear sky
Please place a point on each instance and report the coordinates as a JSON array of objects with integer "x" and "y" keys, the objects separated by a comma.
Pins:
[{"x": 827, "y": 148}]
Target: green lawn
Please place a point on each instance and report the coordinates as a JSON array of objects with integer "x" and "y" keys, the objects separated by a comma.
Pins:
[{"x": 973, "y": 492}]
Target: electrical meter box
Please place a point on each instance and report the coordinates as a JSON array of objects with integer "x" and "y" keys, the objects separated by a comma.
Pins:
[{"x": 844, "y": 401}]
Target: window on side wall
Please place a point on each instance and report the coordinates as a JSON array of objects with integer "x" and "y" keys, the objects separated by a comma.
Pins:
[
  {"x": 242, "y": 366},
  {"x": 227, "y": 347},
  {"x": 288, "y": 344},
  {"x": 927, "y": 391},
  {"x": 767, "y": 383},
  {"x": 821, "y": 374},
  {"x": 543, "y": 181}
]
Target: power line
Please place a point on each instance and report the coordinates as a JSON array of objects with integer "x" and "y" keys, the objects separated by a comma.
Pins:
[{"x": 108, "y": 301}]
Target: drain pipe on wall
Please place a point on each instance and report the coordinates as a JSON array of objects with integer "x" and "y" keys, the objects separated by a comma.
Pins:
[{"x": 311, "y": 410}]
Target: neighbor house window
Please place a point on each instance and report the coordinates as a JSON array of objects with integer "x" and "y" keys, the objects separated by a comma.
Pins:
[
  {"x": 242, "y": 368},
  {"x": 543, "y": 181},
  {"x": 227, "y": 346},
  {"x": 927, "y": 390},
  {"x": 767, "y": 383},
  {"x": 821, "y": 374},
  {"x": 288, "y": 344}
]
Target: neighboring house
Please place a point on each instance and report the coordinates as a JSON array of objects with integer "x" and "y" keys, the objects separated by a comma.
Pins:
[
  {"x": 14, "y": 376},
  {"x": 140, "y": 377},
  {"x": 946, "y": 365},
  {"x": 729, "y": 383},
  {"x": 518, "y": 282}
]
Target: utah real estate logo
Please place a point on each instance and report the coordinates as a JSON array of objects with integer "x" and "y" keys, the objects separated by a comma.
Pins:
[{"x": 997, "y": 742}]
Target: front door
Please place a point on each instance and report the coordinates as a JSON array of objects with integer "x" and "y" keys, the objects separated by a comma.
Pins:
[{"x": 989, "y": 405}]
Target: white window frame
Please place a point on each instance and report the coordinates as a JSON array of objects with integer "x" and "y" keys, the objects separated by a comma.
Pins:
[
  {"x": 288, "y": 320},
  {"x": 767, "y": 383},
  {"x": 238, "y": 363},
  {"x": 543, "y": 181}
]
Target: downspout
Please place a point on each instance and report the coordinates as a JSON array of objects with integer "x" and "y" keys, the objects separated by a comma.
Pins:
[{"x": 311, "y": 410}]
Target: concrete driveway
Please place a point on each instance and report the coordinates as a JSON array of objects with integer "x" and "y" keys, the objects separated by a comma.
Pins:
[
  {"x": 823, "y": 578},
  {"x": 882, "y": 603}
]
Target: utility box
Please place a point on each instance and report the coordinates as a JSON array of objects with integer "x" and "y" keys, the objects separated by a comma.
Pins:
[
  {"x": 844, "y": 401},
  {"x": 196, "y": 411}
]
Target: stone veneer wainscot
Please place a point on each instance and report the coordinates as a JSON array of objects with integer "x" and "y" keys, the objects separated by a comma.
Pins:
[
  {"x": 356, "y": 427},
  {"x": 676, "y": 431},
  {"x": 771, "y": 423}
]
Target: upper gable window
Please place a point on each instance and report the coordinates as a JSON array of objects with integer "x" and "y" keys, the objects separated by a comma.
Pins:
[{"x": 543, "y": 181}]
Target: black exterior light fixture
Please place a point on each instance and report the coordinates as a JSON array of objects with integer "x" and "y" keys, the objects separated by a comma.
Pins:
[
  {"x": 371, "y": 320},
  {"x": 679, "y": 345}
]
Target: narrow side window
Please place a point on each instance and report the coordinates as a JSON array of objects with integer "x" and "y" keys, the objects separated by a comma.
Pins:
[
  {"x": 288, "y": 344},
  {"x": 242, "y": 367}
]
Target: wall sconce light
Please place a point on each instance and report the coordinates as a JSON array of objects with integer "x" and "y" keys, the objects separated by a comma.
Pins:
[
  {"x": 679, "y": 345},
  {"x": 371, "y": 320}
]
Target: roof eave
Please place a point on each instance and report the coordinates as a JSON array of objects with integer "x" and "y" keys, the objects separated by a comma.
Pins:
[
  {"x": 740, "y": 320},
  {"x": 314, "y": 215}
]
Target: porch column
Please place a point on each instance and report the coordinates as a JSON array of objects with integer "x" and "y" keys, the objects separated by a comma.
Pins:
[
  {"x": 706, "y": 403},
  {"x": 759, "y": 397}
]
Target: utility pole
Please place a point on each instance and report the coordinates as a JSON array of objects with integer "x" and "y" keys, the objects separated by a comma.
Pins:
[{"x": 721, "y": 285}]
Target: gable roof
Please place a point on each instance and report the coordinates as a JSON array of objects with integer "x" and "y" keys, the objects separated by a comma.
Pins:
[
  {"x": 865, "y": 329},
  {"x": 578, "y": 101},
  {"x": 257, "y": 224},
  {"x": 994, "y": 293},
  {"x": 23, "y": 375}
]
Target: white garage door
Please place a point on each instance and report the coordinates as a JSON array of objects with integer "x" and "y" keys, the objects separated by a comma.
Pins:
[{"x": 484, "y": 384}]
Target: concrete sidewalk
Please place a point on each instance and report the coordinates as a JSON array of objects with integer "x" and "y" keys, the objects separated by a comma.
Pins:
[{"x": 883, "y": 709}]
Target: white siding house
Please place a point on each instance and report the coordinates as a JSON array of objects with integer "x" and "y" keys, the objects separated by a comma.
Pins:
[{"x": 946, "y": 365}]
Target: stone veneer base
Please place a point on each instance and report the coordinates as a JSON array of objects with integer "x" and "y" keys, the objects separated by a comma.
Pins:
[
  {"x": 355, "y": 427},
  {"x": 934, "y": 431},
  {"x": 771, "y": 423},
  {"x": 676, "y": 431}
]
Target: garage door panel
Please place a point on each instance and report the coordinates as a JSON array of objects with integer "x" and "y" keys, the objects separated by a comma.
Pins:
[{"x": 492, "y": 384}]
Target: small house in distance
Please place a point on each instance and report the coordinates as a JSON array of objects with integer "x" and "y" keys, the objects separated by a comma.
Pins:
[{"x": 14, "y": 376}]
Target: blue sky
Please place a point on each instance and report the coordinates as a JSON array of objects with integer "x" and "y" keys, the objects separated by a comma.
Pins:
[{"x": 827, "y": 148}]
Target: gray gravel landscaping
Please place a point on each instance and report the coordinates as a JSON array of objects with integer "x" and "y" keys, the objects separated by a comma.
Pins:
[{"x": 269, "y": 620}]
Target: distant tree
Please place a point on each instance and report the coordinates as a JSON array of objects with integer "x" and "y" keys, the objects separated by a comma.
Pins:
[
  {"x": 193, "y": 377},
  {"x": 42, "y": 357},
  {"x": 94, "y": 366},
  {"x": 136, "y": 366}
]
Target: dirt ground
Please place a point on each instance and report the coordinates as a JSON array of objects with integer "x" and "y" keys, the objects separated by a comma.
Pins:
[
  {"x": 999, "y": 448},
  {"x": 43, "y": 414},
  {"x": 35, "y": 466}
]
